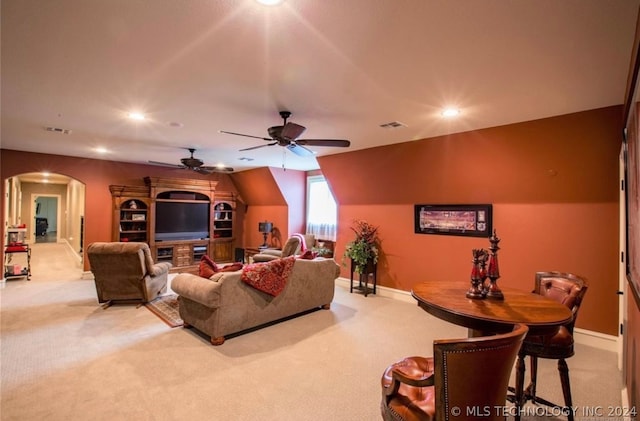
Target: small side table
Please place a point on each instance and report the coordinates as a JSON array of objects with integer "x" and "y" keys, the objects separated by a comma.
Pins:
[
  {"x": 249, "y": 252},
  {"x": 370, "y": 271}
]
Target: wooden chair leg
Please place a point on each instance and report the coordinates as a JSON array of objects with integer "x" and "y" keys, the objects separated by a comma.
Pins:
[
  {"x": 519, "y": 392},
  {"x": 566, "y": 387},
  {"x": 531, "y": 390}
]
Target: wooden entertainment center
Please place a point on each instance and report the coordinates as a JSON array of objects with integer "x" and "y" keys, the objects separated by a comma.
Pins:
[{"x": 180, "y": 219}]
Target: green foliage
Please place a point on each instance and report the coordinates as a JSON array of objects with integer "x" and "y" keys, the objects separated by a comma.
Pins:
[
  {"x": 364, "y": 248},
  {"x": 322, "y": 251}
]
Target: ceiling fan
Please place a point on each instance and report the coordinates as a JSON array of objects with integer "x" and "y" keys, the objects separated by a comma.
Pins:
[
  {"x": 287, "y": 136},
  {"x": 194, "y": 164}
]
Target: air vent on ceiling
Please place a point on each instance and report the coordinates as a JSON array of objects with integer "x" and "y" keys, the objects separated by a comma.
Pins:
[
  {"x": 393, "y": 125},
  {"x": 244, "y": 158},
  {"x": 58, "y": 130}
]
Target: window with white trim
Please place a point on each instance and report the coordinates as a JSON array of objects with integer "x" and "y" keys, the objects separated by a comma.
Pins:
[{"x": 322, "y": 211}]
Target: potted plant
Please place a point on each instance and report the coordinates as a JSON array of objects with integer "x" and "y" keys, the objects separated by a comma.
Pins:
[{"x": 364, "y": 249}]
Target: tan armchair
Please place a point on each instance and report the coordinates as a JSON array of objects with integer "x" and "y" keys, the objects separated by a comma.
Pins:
[
  {"x": 126, "y": 272},
  {"x": 292, "y": 247},
  {"x": 464, "y": 375}
]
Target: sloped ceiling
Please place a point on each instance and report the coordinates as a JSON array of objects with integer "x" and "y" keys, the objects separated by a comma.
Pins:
[{"x": 343, "y": 68}]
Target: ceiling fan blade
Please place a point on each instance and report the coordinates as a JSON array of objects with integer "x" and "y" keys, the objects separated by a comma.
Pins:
[
  {"x": 202, "y": 170},
  {"x": 300, "y": 150},
  {"x": 257, "y": 147},
  {"x": 165, "y": 164},
  {"x": 218, "y": 169},
  {"x": 245, "y": 135},
  {"x": 291, "y": 131},
  {"x": 338, "y": 143}
]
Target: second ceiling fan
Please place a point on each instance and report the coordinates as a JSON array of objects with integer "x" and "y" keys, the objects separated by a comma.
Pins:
[{"x": 287, "y": 136}]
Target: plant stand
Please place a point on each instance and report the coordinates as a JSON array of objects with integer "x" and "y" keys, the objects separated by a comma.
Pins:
[{"x": 370, "y": 274}]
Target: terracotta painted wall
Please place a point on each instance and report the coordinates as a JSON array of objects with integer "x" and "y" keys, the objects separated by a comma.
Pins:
[
  {"x": 264, "y": 202},
  {"x": 293, "y": 185},
  {"x": 273, "y": 195},
  {"x": 97, "y": 175},
  {"x": 553, "y": 184}
]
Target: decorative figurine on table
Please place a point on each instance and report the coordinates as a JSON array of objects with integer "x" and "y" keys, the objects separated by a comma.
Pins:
[
  {"x": 477, "y": 274},
  {"x": 493, "y": 272}
]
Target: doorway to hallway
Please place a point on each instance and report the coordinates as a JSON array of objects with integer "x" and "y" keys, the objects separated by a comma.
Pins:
[{"x": 46, "y": 217}]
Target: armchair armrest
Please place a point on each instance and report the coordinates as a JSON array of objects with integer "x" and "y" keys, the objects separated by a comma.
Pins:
[
  {"x": 160, "y": 268},
  {"x": 420, "y": 381},
  {"x": 272, "y": 252},
  {"x": 414, "y": 371},
  {"x": 198, "y": 289}
]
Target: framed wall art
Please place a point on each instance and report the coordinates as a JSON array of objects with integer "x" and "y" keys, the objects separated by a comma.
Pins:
[{"x": 465, "y": 220}]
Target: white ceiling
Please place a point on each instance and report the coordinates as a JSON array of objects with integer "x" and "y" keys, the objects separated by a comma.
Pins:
[{"x": 342, "y": 67}]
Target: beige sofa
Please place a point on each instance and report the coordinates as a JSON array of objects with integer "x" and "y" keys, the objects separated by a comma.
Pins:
[{"x": 224, "y": 304}]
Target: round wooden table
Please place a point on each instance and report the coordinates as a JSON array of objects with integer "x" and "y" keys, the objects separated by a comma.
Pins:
[{"x": 447, "y": 301}]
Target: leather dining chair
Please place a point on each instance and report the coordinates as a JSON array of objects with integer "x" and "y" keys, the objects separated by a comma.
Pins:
[
  {"x": 466, "y": 379},
  {"x": 568, "y": 289}
]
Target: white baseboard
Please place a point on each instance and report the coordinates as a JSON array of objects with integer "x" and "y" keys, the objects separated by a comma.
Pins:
[
  {"x": 76, "y": 255},
  {"x": 581, "y": 336},
  {"x": 596, "y": 339}
]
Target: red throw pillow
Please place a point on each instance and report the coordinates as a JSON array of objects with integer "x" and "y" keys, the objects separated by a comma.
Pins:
[
  {"x": 309, "y": 255},
  {"x": 232, "y": 267},
  {"x": 207, "y": 267}
]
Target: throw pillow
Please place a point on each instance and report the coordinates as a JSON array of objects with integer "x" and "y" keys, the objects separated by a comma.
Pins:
[
  {"x": 232, "y": 267},
  {"x": 207, "y": 267},
  {"x": 309, "y": 255}
]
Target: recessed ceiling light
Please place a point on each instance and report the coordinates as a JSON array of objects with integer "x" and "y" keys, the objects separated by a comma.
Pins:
[
  {"x": 136, "y": 116},
  {"x": 45, "y": 174},
  {"x": 100, "y": 149},
  {"x": 450, "y": 112}
]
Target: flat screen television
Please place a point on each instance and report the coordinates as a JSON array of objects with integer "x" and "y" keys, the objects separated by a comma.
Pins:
[{"x": 182, "y": 221}]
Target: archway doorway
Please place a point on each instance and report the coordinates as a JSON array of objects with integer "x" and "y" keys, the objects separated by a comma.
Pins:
[{"x": 56, "y": 200}]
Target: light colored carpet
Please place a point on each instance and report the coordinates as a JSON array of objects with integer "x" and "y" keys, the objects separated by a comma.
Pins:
[{"x": 65, "y": 358}]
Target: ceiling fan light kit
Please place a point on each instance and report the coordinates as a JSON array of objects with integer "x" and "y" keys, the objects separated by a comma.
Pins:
[
  {"x": 194, "y": 164},
  {"x": 287, "y": 137}
]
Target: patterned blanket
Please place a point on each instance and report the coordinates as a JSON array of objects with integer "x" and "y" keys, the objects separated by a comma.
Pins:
[{"x": 269, "y": 277}]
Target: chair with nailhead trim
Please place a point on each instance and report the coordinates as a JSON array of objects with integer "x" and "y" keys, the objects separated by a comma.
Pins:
[{"x": 466, "y": 379}]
